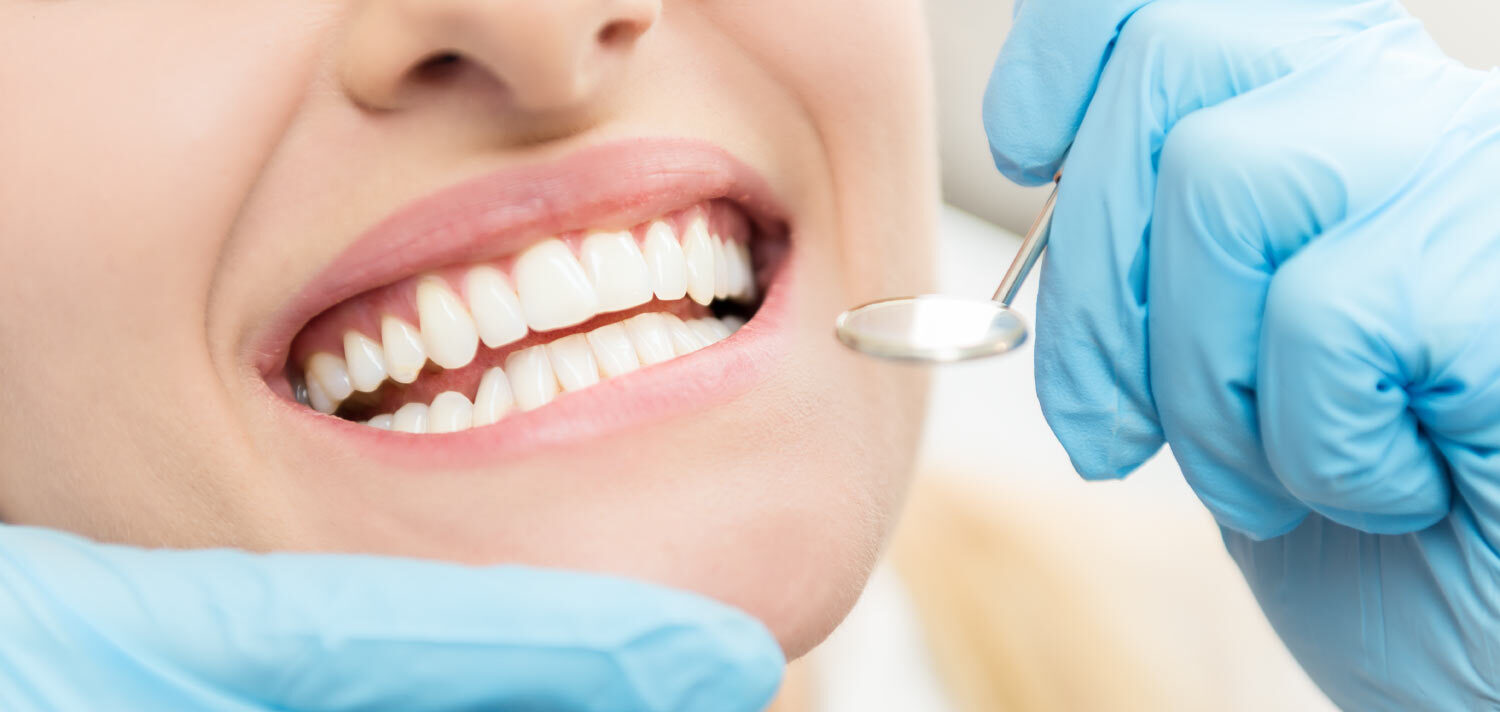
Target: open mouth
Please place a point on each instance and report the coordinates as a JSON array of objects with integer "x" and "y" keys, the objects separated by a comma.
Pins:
[{"x": 463, "y": 347}]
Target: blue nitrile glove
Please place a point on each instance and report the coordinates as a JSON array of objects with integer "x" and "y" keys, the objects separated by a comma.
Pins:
[
  {"x": 1277, "y": 249},
  {"x": 85, "y": 626}
]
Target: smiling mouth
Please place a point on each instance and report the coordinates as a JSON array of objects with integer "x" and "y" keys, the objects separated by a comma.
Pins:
[{"x": 466, "y": 346}]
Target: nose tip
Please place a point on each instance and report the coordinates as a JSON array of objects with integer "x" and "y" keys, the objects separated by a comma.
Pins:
[{"x": 541, "y": 56}]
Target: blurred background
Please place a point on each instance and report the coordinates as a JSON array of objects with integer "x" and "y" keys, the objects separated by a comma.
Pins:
[{"x": 1007, "y": 567}]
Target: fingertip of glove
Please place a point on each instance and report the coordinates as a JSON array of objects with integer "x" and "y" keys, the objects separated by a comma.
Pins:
[
  {"x": 739, "y": 668},
  {"x": 1021, "y": 152}
]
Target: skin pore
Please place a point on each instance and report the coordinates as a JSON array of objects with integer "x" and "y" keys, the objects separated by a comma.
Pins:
[{"x": 176, "y": 172}]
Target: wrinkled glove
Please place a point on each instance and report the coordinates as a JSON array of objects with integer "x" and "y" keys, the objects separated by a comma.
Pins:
[
  {"x": 95, "y": 627},
  {"x": 1277, "y": 249}
]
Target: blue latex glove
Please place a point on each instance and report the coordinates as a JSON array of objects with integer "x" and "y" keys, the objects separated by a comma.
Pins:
[
  {"x": 93, "y": 627},
  {"x": 1277, "y": 249}
]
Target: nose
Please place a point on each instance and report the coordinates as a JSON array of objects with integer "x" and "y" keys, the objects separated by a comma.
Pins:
[{"x": 542, "y": 56}]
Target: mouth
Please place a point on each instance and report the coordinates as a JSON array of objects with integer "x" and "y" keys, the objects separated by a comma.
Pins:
[{"x": 490, "y": 304}]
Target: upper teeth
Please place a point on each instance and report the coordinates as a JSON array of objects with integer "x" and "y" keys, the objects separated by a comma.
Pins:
[{"x": 549, "y": 287}]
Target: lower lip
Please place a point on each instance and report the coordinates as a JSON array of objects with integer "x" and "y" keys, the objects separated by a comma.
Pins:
[{"x": 703, "y": 379}]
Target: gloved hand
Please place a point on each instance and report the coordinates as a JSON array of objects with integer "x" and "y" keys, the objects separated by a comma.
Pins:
[
  {"x": 1277, "y": 249},
  {"x": 94, "y": 627}
]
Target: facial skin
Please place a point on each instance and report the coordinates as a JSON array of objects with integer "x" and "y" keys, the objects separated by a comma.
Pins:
[{"x": 174, "y": 172}]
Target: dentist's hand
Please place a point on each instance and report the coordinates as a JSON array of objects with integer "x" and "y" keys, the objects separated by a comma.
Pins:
[
  {"x": 1277, "y": 249},
  {"x": 90, "y": 627}
]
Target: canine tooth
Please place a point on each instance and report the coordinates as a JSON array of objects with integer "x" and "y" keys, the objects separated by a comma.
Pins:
[
  {"x": 573, "y": 361},
  {"x": 684, "y": 339},
  {"x": 746, "y": 267},
  {"x": 384, "y": 421},
  {"x": 706, "y": 331},
  {"x": 318, "y": 399},
  {"x": 410, "y": 418},
  {"x": 721, "y": 269},
  {"x": 698, "y": 254},
  {"x": 331, "y": 374},
  {"x": 612, "y": 347},
  {"x": 494, "y": 399},
  {"x": 555, "y": 291},
  {"x": 532, "y": 380},
  {"x": 617, "y": 269},
  {"x": 450, "y": 412},
  {"x": 496, "y": 309},
  {"x": 366, "y": 361},
  {"x": 448, "y": 331},
  {"x": 665, "y": 263},
  {"x": 651, "y": 338},
  {"x": 404, "y": 353},
  {"x": 733, "y": 323}
]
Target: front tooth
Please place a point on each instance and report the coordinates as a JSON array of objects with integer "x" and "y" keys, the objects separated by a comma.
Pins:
[
  {"x": 318, "y": 399},
  {"x": 573, "y": 361},
  {"x": 404, "y": 353},
  {"x": 366, "y": 361},
  {"x": 684, "y": 339},
  {"x": 496, "y": 309},
  {"x": 450, "y": 413},
  {"x": 721, "y": 269},
  {"x": 532, "y": 381},
  {"x": 651, "y": 338},
  {"x": 746, "y": 267},
  {"x": 617, "y": 269},
  {"x": 331, "y": 374},
  {"x": 448, "y": 331},
  {"x": 494, "y": 398},
  {"x": 698, "y": 254},
  {"x": 384, "y": 421},
  {"x": 554, "y": 290},
  {"x": 665, "y": 263},
  {"x": 410, "y": 418},
  {"x": 612, "y": 347},
  {"x": 706, "y": 331}
]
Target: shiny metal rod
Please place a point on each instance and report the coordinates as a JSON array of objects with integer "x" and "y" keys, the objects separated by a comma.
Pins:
[{"x": 1031, "y": 250}]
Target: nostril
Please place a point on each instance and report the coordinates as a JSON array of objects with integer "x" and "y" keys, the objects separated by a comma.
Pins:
[
  {"x": 619, "y": 33},
  {"x": 438, "y": 67}
]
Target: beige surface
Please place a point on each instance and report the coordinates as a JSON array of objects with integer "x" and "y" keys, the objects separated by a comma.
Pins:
[{"x": 967, "y": 34}]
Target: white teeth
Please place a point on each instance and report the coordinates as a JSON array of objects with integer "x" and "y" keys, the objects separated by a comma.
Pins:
[
  {"x": 708, "y": 329},
  {"x": 716, "y": 327},
  {"x": 573, "y": 361},
  {"x": 448, "y": 331},
  {"x": 410, "y": 418},
  {"x": 496, "y": 309},
  {"x": 721, "y": 269},
  {"x": 651, "y": 337},
  {"x": 532, "y": 380},
  {"x": 665, "y": 263},
  {"x": 617, "y": 269},
  {"x": 698, "y": 253},
  {"x": 745, "y": 266},
  {"x": 385, "y": 421},
  {"x": 318, "y": 399},
  {"x": 684, "y": 339},
  {"x": 331, "y": 375},
  {"x": 366, "y": 361},
  {"x": 404, "y": 353},
  {"x": 612, "y": 347},
  {"x": 450, "y": 413},
  {"x": 733, "y": 323},
  {"x": 494, "y": 399},
  {"x": 553, "y": 288}
]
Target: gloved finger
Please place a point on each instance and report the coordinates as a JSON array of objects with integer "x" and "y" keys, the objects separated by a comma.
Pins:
[
  {"x": 1044, "y": 78},
  {"x": 232, "y": 630},
  {"x": 1173, "y": 57},
  {"x": 1244, "y": 186}
]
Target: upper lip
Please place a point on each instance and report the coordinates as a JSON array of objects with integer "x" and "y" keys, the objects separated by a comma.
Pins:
[{"x": 611, "y": 185}]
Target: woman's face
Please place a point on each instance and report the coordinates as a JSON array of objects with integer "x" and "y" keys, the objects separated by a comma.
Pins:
[{"x": 215, "y": 217}]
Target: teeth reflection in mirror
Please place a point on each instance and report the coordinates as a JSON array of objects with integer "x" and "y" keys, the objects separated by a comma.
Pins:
[
  {"x": 665, "y": 263},
  {"x": 384, "y": 421},
  {"x": 651, "y": 338},
  {"x": 573, "y": 361},
  {"x": 684, "y": 339},
  {"x": 698, "y": 253},
  {"x": 410, "y": 418},
  {"x": 494, "y": 398},
  {"x": 450, "y": 412},
  {"x": 366, "y": 361},
  {"x": 532, "y": 380},
  {"x": 331, "y": 375},
  {"x": 614, "y": 351},
  {"x": 404, "y": 353},
  {"x": 448, "y": 332},
  {"x": 721, "y": 269},
  {"x": 497, "y": 310},
  {"x": 617, "y": 269},
  {"x": 553, "y": 288}
]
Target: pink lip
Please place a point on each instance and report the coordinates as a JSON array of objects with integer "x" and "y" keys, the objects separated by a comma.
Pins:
[{"x": 613, "y": 185}]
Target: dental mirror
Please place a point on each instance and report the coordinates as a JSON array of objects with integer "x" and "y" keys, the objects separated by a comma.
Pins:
[{"x": 936, "y": 328}]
